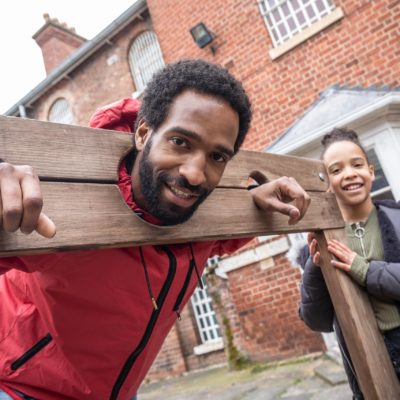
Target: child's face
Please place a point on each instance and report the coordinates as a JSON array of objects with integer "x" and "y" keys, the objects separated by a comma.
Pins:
[{"x": 350, "y": 176}]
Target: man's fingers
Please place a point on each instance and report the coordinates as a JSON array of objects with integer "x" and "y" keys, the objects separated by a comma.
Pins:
[
  {"x": 32, "y": 203},
  {"x": 12, "y": 209},
  {"x": 299, "y": 196},
  {"x": 45, "y": 226}
]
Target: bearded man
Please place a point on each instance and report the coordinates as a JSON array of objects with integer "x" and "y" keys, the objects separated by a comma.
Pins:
[{"x": 87, "y": 325}]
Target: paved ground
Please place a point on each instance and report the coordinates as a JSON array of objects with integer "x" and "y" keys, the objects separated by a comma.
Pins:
[{"x": 306, "y": 379}]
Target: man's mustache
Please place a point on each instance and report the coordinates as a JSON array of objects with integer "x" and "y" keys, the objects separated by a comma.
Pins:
[{"x": 181, "y": 181}]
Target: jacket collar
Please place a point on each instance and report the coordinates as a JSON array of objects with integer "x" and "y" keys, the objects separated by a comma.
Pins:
[
  {"x": 389, "y": 222},
  {"x": 125, "y": 187}
]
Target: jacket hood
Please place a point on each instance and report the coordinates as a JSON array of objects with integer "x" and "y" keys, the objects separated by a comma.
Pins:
[
  {"x": 118, "y": 116},
  {"x": 121, "y": 116}
]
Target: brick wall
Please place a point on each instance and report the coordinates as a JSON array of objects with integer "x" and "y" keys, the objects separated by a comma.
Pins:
[
  {"x": 170, "y": 360},
  {"x": 102, "y": 79},
  {"x": 361, "y": 49},
  {"x": 266, "y": 298}
]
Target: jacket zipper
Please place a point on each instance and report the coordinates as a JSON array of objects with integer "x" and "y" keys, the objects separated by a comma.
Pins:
[
  {"x": 41, "y": 344},
  {"x": 150, "y": 326},
  {"x": 183, "y": 290}
]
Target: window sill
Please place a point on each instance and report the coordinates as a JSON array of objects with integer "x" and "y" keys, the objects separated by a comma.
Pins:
[
  {"x": 302, "y": 36},
  {"x": 209, "y": 347}
]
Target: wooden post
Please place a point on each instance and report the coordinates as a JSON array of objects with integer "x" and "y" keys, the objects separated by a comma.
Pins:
[{"x": 375, "y": 372}]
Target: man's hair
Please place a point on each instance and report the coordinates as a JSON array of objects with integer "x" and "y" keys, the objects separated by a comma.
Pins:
[
  {"x": 340, "y": 135},
  {"x": 199, "y": 76}
]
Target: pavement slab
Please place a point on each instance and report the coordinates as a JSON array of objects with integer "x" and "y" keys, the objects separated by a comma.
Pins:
[{"x": 296, "y": 380}]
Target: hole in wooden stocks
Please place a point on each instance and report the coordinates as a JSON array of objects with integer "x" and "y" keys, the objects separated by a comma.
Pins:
[{"x": 256, "y": 178}]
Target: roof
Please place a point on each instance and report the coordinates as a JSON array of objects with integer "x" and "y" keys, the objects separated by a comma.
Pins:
[
  {"x": 336, "y": 106},
  {"x": 80, "y": 55}
]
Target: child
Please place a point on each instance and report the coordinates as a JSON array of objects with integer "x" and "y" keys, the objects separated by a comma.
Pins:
[{"x": 372, "y": 258}]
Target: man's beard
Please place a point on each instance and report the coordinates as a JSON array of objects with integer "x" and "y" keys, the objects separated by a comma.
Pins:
[{"x": 151, "y": 186}]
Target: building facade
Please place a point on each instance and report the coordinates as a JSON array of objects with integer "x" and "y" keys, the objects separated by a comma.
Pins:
[{"x": 307, "y": 65}]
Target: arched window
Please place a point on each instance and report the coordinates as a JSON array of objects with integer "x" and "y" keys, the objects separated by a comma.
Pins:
[
  {"x": 145, "y": 59},
  {"x": 61, "y": 112}
]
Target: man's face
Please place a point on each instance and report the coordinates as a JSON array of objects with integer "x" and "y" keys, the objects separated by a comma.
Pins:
[{"x": 179, "y": 165}]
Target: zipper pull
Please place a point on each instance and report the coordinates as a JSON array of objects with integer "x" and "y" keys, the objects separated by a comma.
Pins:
[
  {"x": 155, "y": 306},
  {"x": 178, "y": 314}
]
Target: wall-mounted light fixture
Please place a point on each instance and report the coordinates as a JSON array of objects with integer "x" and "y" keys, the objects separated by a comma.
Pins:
[{"x": 202, "y": 36}]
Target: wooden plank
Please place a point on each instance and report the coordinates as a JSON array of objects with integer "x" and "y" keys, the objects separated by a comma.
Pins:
[
  {"x": 93, "y": 216},
  {"x": 306, "y": 171},
  {"x": 368, "y": 352},
  {"x": 72, "y": 153},
  {"x": 64, "y": 152}
]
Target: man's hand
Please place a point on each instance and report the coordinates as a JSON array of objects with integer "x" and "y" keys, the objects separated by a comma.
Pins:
[
  {"x": 284, "y": 195},
  {"x": 21, "y": 201},
  {"x": 344, "y": 255}
]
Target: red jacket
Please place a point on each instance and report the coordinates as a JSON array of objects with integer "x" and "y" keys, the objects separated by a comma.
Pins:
[{"x": 81, "y": 325}]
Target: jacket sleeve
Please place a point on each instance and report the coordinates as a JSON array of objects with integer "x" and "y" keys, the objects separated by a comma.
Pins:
[
  {"x": 30, "y": 263},
  {"x": 316, "y": 308},
  {"x": 383, "y": 280},
  {"x": 229, "y": 246}
]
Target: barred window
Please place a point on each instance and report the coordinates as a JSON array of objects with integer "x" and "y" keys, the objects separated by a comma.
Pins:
[
  {"x": 145, "y": 58},
  {"x": 61, "y": 112},
  {"x": 205, "y": 315},
  {"x": 285, "y": 18}
]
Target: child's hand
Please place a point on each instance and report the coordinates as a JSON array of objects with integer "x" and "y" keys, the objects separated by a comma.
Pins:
[
  {"x": 344, "y": 255},
  {"x": 313, "y": 248}
]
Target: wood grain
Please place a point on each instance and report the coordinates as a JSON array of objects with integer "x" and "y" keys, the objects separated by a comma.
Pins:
[
  {"x": 94, "y": 215},
  {"x": 72, "y": 153},
  {"x": 367, "y": 349}
]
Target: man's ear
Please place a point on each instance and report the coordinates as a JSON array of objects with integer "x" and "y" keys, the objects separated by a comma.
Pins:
[{"x": 142, "y": 134}]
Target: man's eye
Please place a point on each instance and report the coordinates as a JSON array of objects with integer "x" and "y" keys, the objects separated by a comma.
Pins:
[
  {"x": 178, "y": 141},
  {"x": 218, "y": 157}
]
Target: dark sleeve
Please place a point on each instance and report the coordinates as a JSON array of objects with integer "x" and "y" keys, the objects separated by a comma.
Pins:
[
  {"x": 316, "y": 308},
  {"x": 383, "y": 280}
]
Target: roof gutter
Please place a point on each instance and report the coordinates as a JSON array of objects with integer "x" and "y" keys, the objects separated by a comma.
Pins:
[
  {"x": 371, "y": 111},
  {"x": 79, "y": 56}
]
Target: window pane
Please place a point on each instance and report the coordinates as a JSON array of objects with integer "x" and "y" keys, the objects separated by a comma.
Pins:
[
  {"x": 145, "y": 58},
  {"x": 61, "y": 112},
  {"x": 285, "y": 18},
  {"x": 310, "y": 12},
  {"x": 380, "y": 181},
  {"x": 205, "y": 316}
]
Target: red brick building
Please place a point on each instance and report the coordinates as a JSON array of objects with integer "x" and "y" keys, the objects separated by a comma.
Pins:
[{"x": 307, "y": 65}]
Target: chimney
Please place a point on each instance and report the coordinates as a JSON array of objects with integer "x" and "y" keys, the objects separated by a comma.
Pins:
[{"x": 57, "y": 42}]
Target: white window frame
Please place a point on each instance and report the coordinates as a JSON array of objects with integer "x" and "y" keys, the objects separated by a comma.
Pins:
[
  {"x": 145, "y": 58},
  {"x": 289, "y": 26},
  {"x": 207, "y": 324},
  {"x": 386, "y": 144},
  {"x": 61, "y": 112}
]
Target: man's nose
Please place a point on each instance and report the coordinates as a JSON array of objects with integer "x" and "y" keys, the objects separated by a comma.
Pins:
[{"x": 193, "y": 169}]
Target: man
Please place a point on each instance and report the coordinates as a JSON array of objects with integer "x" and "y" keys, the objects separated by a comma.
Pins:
[{"x": 88, "y": 324}]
